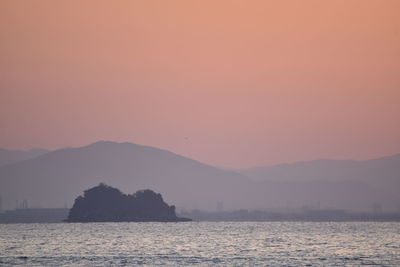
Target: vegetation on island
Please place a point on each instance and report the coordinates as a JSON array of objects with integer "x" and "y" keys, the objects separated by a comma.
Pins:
[{"x": 104, "y": 203}]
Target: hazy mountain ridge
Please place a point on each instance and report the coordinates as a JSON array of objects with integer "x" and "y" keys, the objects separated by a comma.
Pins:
[
  {"x": 57, "y": 177},
  {"x": 318, "y": 169},
  {"x": 382, "y": 173},
  {"x": 61, "y": 173},
  {"x": 13, "y": 156}
]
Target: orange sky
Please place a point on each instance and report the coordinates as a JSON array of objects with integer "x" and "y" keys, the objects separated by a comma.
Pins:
[{"x": 231, "y": 83}]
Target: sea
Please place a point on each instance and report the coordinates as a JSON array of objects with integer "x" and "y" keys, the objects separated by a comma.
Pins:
[{"x": 201, "y": 244}]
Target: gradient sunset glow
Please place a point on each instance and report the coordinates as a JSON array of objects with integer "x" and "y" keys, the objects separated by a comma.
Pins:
[{"x": 230, "y": 83}]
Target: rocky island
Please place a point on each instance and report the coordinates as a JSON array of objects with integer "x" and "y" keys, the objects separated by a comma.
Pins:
[{"x": 104, "y": 203}]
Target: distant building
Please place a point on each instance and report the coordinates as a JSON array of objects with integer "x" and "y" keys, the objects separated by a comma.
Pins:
[{"x": 24, "y": 204}]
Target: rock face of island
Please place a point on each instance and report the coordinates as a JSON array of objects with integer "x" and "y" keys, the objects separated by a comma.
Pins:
[{"x": 104, "y": 203}]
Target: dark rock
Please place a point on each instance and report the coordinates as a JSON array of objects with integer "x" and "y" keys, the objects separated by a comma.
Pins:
[{"x": 104, "y": 203}]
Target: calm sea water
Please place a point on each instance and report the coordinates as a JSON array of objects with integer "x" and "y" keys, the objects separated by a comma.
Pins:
[{"x": 201, "y": 244}]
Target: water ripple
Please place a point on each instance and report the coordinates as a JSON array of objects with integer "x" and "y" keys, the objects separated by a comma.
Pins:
[{"x": 201, "y": 244}]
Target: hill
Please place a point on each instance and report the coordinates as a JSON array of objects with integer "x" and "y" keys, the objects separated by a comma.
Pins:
[
  {"x": 381, "y": 173},
  {"x": 104, "y": 203},
  {"x": 13, "y": 156},
  {"x": 56, "y": 178}
]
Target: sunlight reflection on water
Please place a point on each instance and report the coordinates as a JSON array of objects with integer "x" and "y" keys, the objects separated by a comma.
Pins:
[{"x": 201, "y": 243}]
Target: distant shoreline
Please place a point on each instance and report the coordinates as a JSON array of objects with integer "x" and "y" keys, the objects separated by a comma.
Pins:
[
  {"x": 58, "y": 215},
  {"x": 317, "y": 215}
]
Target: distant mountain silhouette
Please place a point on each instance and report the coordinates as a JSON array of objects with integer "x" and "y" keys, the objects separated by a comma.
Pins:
[
  {"x": 13, "y": 156},
  {"x": 104, "y": 203},
  {"x": 381, "y": 173},
  {"x": 57, "y": 177}
]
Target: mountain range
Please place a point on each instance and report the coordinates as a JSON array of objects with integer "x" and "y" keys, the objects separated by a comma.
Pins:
[
  {"x": 12, "y": 156},
  {"x": 55, "y": 178}
]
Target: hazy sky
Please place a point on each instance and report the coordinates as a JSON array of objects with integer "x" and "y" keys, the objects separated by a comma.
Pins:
[{"x": 231, "y": 83}]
